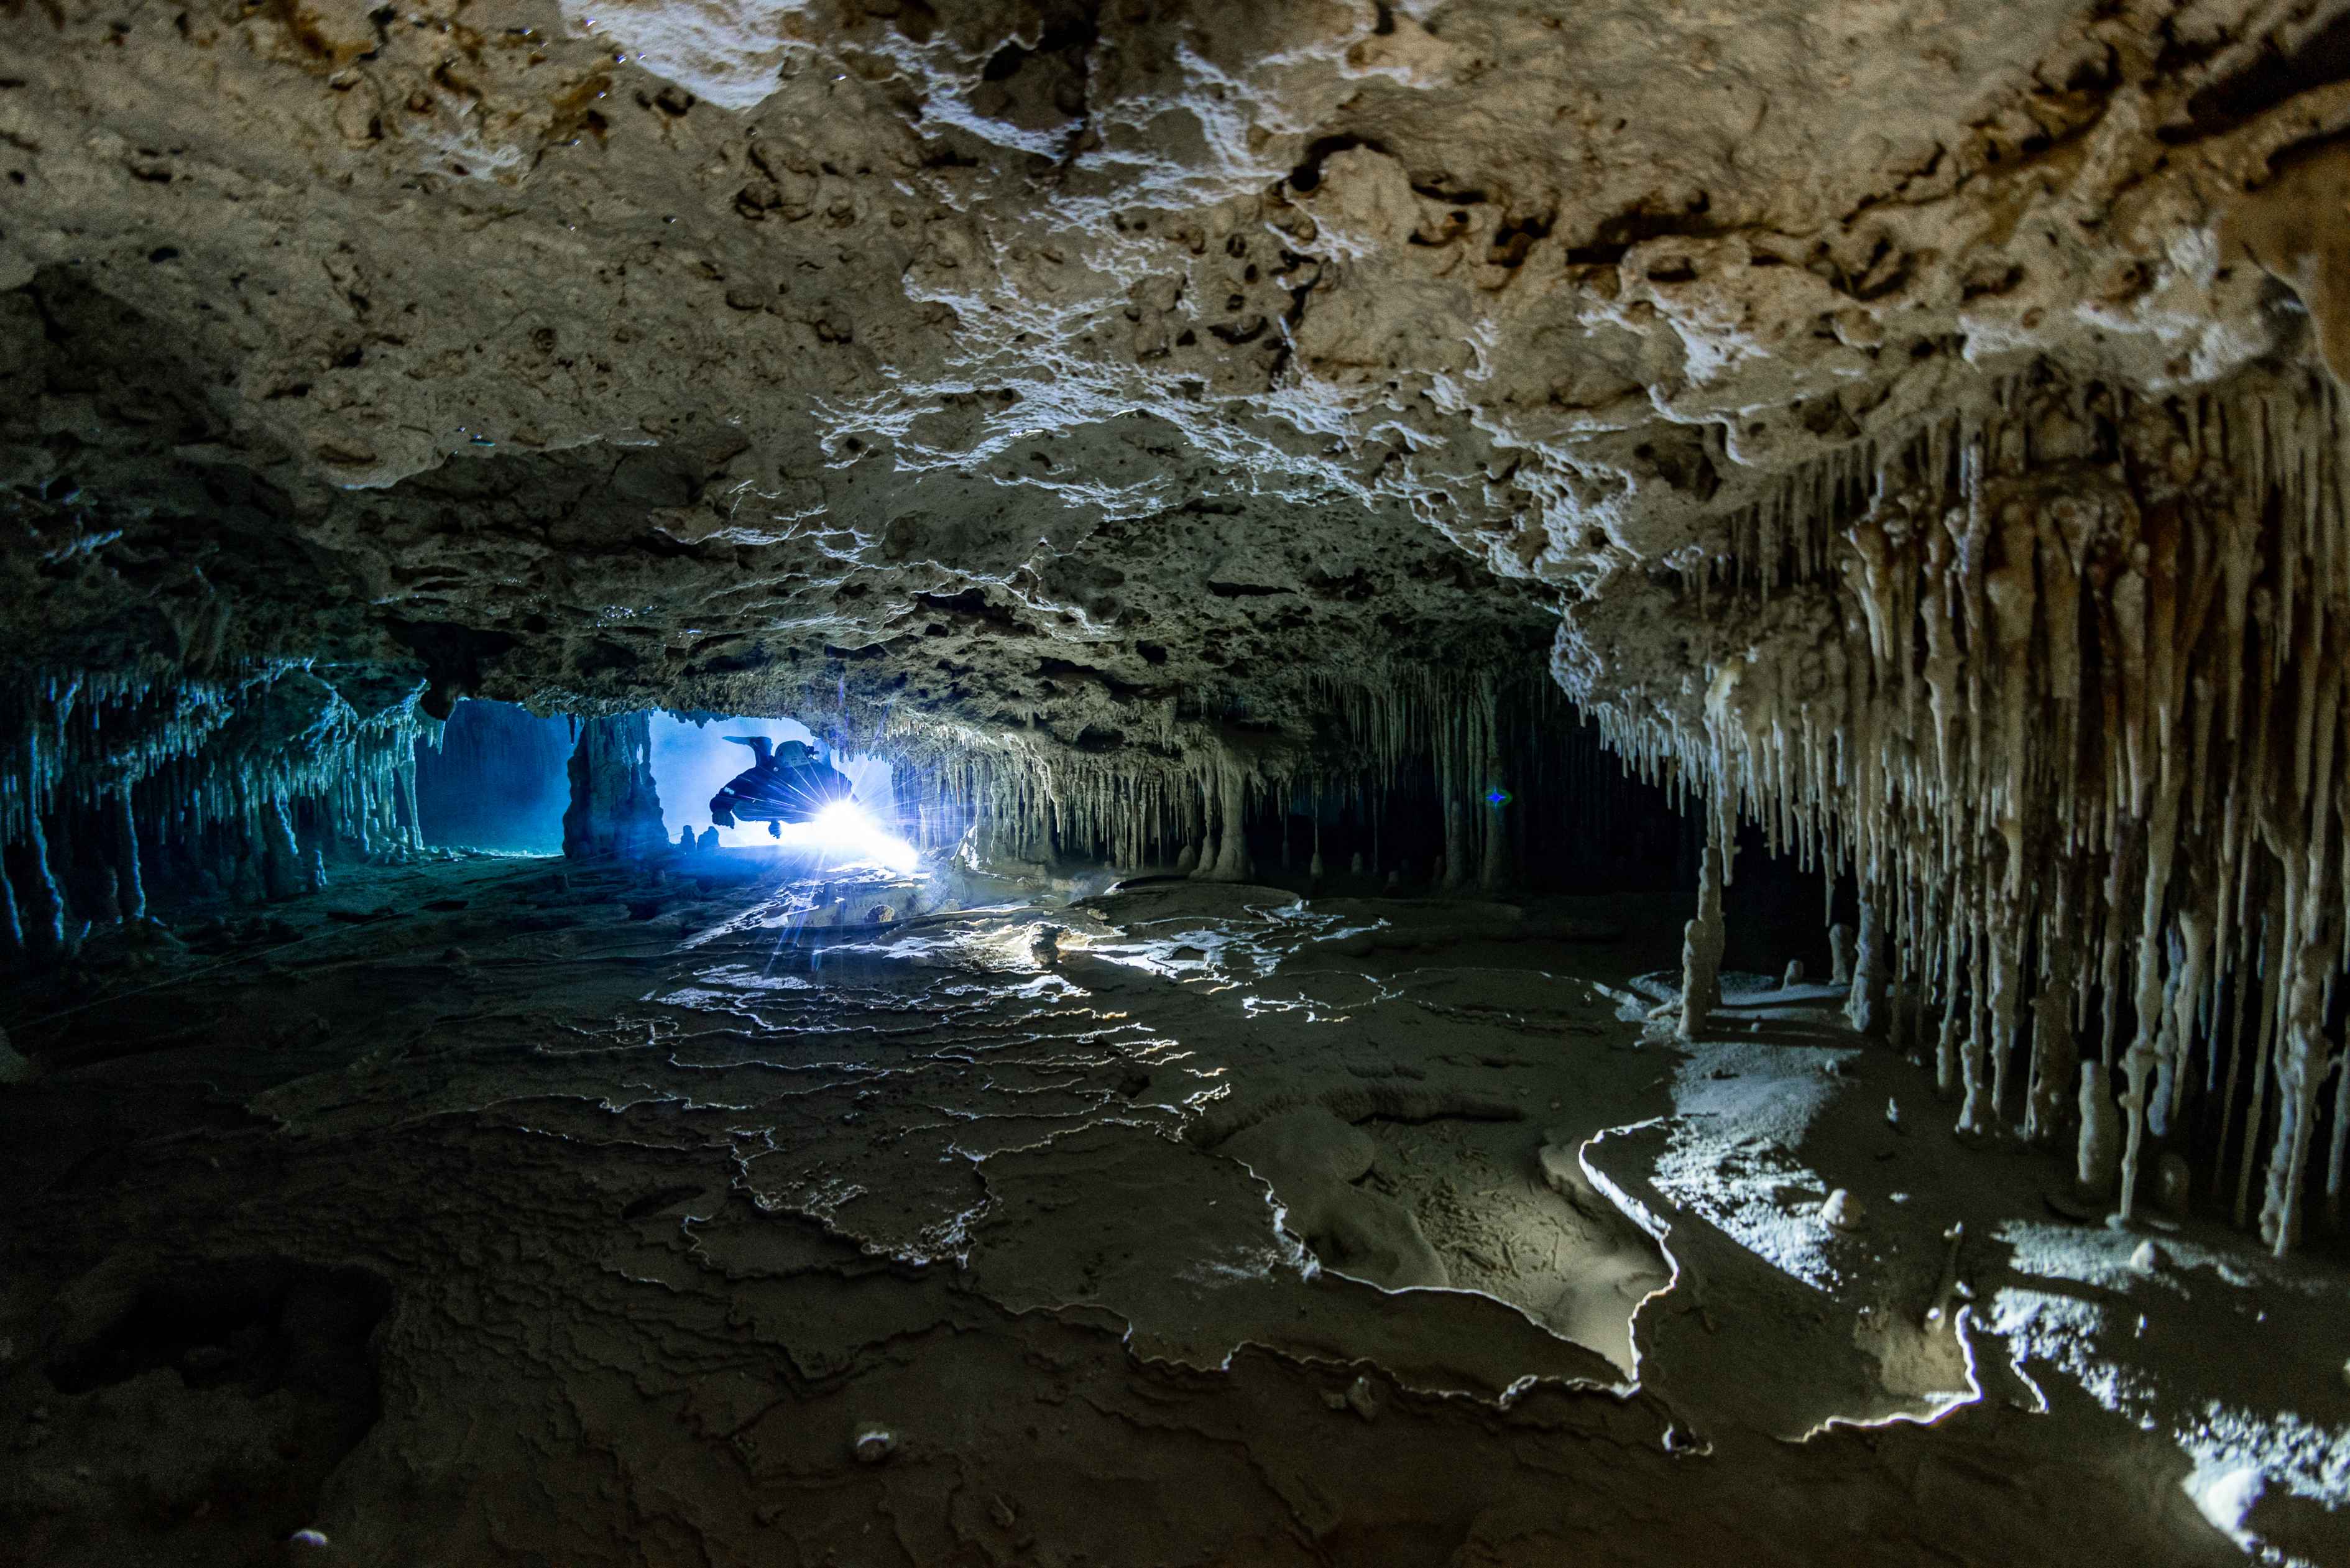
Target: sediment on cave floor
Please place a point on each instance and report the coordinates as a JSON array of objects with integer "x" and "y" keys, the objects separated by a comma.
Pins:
[{"x": 1024, "y": 783}]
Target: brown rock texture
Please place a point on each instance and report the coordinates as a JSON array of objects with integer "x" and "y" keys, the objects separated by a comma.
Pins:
[{"x": 1916, "y": 422}]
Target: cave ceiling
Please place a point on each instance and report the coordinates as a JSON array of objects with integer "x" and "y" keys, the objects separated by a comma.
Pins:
[{"x": 1057, "y": 367}]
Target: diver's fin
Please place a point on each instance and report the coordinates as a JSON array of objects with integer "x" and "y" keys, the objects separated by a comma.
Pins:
[{"x": 760, "y": 745}]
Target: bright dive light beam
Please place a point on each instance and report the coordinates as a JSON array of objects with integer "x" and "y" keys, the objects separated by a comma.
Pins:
[{"x": 848, "y": 829}]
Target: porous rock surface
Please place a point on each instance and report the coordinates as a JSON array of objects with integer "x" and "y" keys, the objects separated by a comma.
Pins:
[
  {"x": 1903, "y": 415},
  {"x": 1049, "y": 363}
]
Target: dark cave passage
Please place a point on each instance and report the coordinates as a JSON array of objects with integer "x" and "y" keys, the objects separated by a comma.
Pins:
[
  {"x": 1154, "y": 1051},
  {"x": 494, "y": 780}
]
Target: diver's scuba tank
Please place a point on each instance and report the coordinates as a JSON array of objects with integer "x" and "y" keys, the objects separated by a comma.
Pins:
[{"x": 787, "y": 784}]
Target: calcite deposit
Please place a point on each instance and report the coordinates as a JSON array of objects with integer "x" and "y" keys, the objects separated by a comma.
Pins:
[{"x": 1906, "y": 439}]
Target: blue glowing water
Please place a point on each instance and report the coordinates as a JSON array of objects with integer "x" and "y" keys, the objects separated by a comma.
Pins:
[{"x": 692, "y": 758}]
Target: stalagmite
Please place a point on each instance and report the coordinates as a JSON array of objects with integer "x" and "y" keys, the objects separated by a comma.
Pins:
[
  {"x": 1986, "y": 1102},
  {"x": 2274, "y": 945},
  {"x": 2174, "y": 1182},
  {"x": 245, "y": 883},
  {"x": 1949, "y": 1053},
  {"x": 15, "y": 1066},
  {"x": 12, "y": 926},
  {"x": 1840, "y": 954},
  {"x": 2185, "y": 991},
  {"x": 43, "y": 915},
  {"x": 2340, "y": 1155},
  {"x": 2137, "y": 1064},
  {"x": 1701, "y": 940},
  {"x": 1492, "y": 870},
  {"x": 1231, "y": 863},
  {"x": 2099, "y": 1161}
]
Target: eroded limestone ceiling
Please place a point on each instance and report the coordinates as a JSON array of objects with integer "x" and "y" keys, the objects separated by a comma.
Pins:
[{"x": 1040, "y": 363}]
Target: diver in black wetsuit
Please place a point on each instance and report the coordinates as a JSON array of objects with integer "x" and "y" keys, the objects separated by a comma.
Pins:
[{"x": 789, "y": 783}]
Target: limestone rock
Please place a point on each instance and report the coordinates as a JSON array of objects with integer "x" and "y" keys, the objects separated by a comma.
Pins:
[
  {"x": 615, "y": 812},
  {"x": 1310, "y": 1158}
]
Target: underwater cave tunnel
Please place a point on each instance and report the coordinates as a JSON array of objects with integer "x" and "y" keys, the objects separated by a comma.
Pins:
[{"x": 1364, "y": 785}]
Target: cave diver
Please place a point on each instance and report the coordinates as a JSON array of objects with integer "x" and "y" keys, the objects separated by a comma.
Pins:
[{"x": 789, "y": 783}]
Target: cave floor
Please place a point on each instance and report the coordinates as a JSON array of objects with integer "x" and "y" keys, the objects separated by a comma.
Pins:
[{"x": 491, "y": 1211}]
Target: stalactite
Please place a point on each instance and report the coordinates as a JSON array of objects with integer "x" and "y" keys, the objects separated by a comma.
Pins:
[
  {"x": 1869, "y": 974},
  {"x": 217, "y": 769},
  {"x": 2083, "y": 654},
  {"x": 2099, "y": 1152},
  {"x": 2302, "y": 1061},
  {"x": 130, "y": 885},
  {"x": 2056, "y": 1054},
  {"x": 1396, "y": 737},
  {"x": 44, "y": 913}
]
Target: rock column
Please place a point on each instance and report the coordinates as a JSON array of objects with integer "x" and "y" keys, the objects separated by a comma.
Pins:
[{"x": 615, "y": 811}]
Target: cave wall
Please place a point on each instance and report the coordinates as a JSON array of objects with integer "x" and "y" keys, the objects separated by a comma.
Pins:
[{"x": 1917, "y": 427}]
